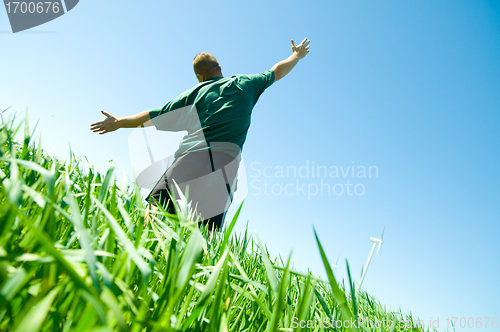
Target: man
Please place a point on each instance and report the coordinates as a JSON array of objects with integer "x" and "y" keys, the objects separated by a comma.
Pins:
[{"x": 216, "y": 114}]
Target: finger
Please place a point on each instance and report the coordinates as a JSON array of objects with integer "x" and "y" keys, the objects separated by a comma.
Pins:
[
  {"x": 98, "y": 123},
  {"x": 102, "y": 132},
  {"x": 293, "y": 44},
  {"x": 303, "y": 41},
  {"x": 107, "y": 114}
]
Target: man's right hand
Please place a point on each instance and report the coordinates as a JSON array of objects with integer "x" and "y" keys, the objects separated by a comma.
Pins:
[
  {"x": 302, "y": 49},
  {"x": 105, "y": 126},
  {"x": 112, "y": 123}
]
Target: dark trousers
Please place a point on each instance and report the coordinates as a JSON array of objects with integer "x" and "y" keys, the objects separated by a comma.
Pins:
[{"x": 207, "y": 178}]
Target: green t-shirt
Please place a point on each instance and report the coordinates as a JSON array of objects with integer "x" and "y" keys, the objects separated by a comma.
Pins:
[{"x": 216, "y": 111}]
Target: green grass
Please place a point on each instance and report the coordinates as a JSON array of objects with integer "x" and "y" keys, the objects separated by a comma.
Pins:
[{"x": 75, "y": 256}]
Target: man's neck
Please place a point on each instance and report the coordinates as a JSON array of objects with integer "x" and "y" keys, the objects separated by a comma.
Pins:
[{"x": 212, "y": 77}]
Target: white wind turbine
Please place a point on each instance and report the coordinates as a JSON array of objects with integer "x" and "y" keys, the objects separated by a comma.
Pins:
[
  {"x": 375, "y": 242},
  {"x": 334, "y": 266}
]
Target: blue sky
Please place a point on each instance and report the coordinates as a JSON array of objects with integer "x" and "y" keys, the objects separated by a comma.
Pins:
[{"x": 408, "y": 87}]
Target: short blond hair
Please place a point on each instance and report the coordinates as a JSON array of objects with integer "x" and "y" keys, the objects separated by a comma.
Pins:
[{"x": 206, "y": 65}]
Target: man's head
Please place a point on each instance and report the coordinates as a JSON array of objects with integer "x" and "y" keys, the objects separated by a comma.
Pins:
[{"x": 205, "y": 66}]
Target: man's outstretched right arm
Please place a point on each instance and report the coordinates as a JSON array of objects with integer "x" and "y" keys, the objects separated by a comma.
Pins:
[
  {"x": 112, "y": 123},
  {"x": 282, "y": 68}
]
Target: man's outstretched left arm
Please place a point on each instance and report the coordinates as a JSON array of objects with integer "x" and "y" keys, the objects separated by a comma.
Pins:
[
  {"x": 112, "y": 123},
  {"x": 282, "y": 68}
]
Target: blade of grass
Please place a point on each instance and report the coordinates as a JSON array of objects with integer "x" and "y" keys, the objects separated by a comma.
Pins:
[
  {"x": 271, "y": 275},
  {"x": 127, "y": 244},
  {"x": 35, "y": 317},
  {"x": 227, "y": 234},
  {"x": 338, "y": 294}
]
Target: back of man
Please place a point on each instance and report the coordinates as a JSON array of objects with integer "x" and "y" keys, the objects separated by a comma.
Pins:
[
  {"x": 220, "y": 107},
  {"x": 216, "y": 114}
]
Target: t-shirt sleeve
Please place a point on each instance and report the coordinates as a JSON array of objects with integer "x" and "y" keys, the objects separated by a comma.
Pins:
[
  {"x": 173, "y": 116},
  {"x": 261, "y": 81},
  {"x": 155, "y": 112}
]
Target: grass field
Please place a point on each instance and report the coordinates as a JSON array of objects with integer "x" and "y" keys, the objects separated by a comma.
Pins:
[{"x": 75, "y": 255}]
